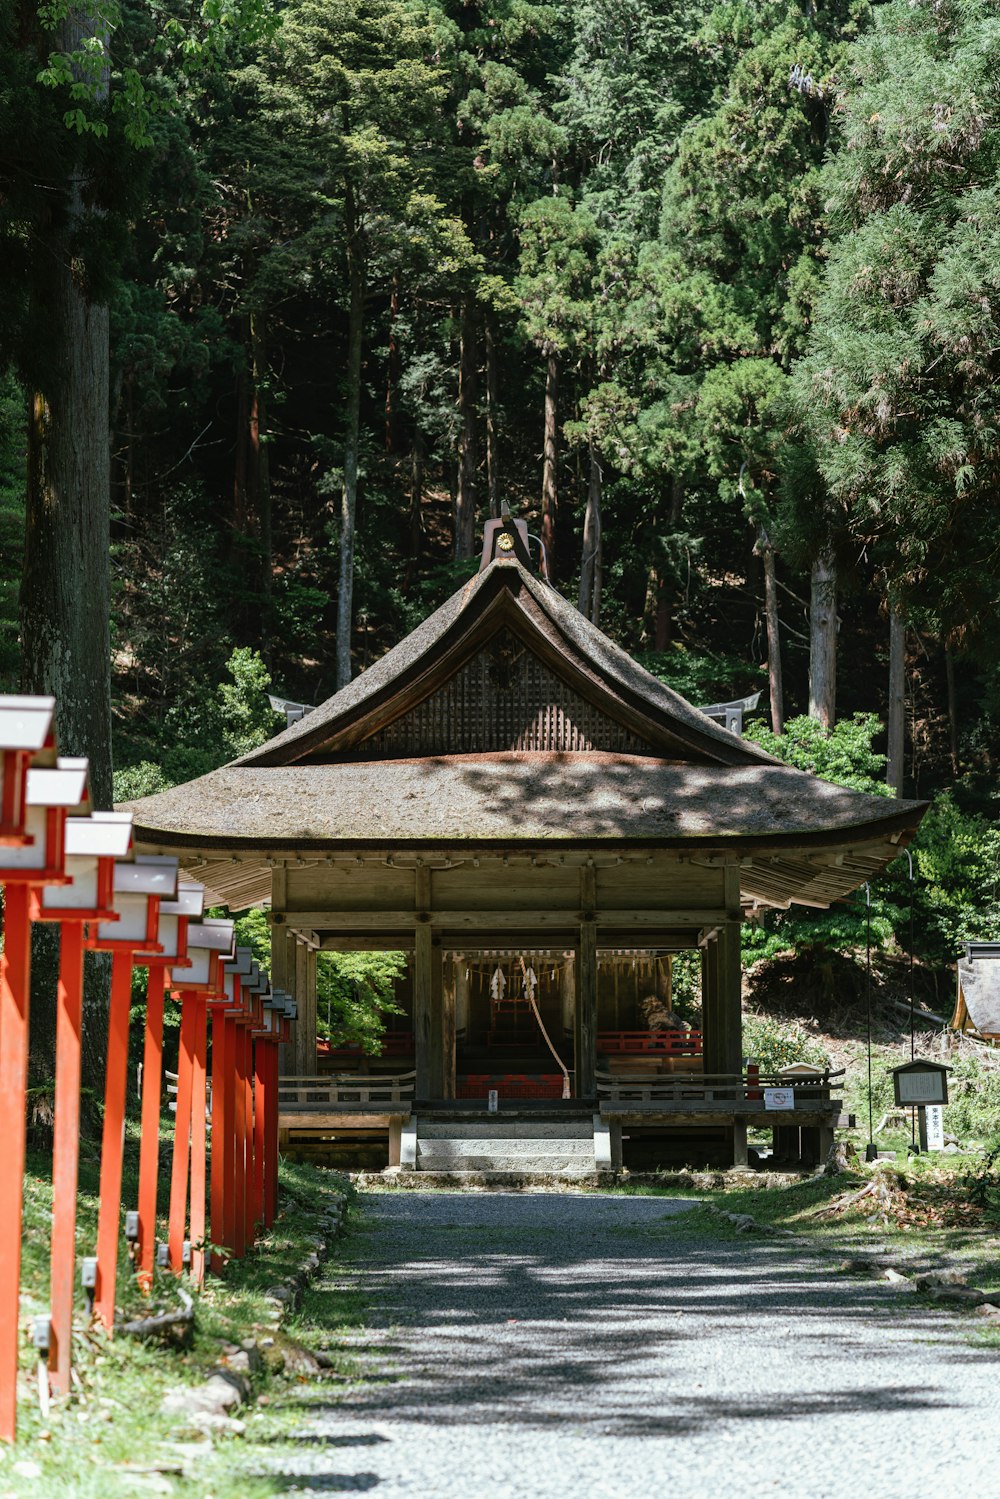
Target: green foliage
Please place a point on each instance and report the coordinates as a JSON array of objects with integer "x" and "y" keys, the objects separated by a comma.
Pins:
[
  {"x": 702, "y": 677},
  {"x": 354, "y": 994},
  {"x": 247, "y": 718},
  {"x": 843, "y": 754},
  {"x": 134, "y": 781},
  {"x": 956, "y": 857},
  {"x": 773, "y": 1045},
  {"x": 973, "y": 1111}
]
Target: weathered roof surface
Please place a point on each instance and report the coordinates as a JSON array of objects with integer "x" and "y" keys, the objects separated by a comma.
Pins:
[
  {"x": 507, "y": 592},
  {"x": 323, "y": 786},
  {"x": 980, "y": 985},
  {"x": 512, "y": 798}
]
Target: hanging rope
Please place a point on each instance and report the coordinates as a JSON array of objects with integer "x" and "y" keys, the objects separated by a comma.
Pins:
[{"x": 529, "y": 991}]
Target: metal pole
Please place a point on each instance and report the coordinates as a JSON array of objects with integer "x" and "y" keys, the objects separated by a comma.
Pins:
[
  {"x": 913, "y": 1043},
  {"x": 871, "y": 1153},
  {"x": 149, "y": 1145},
  {"x": 113, "y": 1139},
  {"x": 15, "y": 983},
  {"x": 65, "y": 1153}
]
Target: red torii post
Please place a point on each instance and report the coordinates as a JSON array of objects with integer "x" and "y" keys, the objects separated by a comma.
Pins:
[
  {"x": 93, "y": 844},
  {"x": 172, "y": 934},
  {"x": 208, "y": 943},
  {"x": 252, "y": 1025},
  {"x": 51, "y": 793},
  {"x": 236, "y": 971},
  {"x": 31, "y": 852},
  {"x": 277, "y": 1016},
  {"x": 139, "y": 888}
]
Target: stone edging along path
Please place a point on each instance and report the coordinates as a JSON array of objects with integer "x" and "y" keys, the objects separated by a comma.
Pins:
[{"x": 209, "y": 1406}]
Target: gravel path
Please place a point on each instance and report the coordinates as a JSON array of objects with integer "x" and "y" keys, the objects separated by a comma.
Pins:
[{"x": 601, "y": 1348}]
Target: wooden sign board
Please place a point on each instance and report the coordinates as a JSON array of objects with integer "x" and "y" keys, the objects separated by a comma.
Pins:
[{"x": 920, "y": 1083}]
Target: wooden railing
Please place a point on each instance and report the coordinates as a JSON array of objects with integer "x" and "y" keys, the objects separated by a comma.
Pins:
[
  {"x": 690, "y": 1092},
  {"x": 309, "y": 1094},
  {"x": 670, "y": 1043}
]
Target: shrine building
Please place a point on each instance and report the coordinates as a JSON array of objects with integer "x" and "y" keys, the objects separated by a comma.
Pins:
[{"x": 554, "y": 839}]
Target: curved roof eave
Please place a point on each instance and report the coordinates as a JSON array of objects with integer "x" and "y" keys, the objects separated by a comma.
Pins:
[{"x": 442, "y": 633}]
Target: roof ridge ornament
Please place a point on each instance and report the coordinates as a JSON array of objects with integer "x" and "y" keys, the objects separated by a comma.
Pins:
[{"x": 505, "y": 540}]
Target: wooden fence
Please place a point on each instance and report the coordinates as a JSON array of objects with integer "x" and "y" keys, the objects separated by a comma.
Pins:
[{"x": 309, "y": 1094}]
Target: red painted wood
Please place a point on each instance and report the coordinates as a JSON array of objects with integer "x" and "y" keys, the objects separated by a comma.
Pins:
[
  {"x": 149, "y": 1146},
  {"x": 240, "y": 1158},
  {"x": 249, "y": 1193},
  {"x": 65, "y": 1153},
  {"x": 199, "y": 1142},
  {"x": 671, "y": 1043},
  {"x": 229, "y": 1137},
  {"x": 271, "y": 1184},
  {"x": 182, "y": 1138},
  {"x": 219, "y": 1127},
  {"x": 15, "y": 978},
  {"x": 113, "y": 1139},
  {"x": 261, "y": 1053}
]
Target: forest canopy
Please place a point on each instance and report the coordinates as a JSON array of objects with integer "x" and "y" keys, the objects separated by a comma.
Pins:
[{"x": 297, "y": 295}]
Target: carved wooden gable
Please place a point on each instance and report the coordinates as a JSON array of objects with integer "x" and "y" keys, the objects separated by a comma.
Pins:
[{"x": 504, "y": 698}]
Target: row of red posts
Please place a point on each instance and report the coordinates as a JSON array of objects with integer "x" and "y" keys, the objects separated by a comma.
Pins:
[{"x": 62, "y": 862}]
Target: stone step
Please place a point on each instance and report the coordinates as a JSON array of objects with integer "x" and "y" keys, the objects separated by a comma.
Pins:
[
  {"x": 525, "y": 1165},
  {"x": 506, "y": 1129},
  {"x": 504, "y": 1145}
]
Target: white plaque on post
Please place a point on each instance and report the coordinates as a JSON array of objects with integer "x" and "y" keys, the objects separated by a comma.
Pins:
[
  {"x": 779, "y": 1098},
  {"x": 934, "y": 1117}
]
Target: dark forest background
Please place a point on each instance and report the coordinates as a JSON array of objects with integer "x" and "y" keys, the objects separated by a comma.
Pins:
[{"x": 710, "y": 292}]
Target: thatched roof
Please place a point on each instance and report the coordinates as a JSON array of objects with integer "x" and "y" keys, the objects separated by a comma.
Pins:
[
  {"x": 979, "y": 987},
  {"x": 506, "y": 596},
  {"x": 514, "y": 799},
  {"x": 646, "y": 769}
]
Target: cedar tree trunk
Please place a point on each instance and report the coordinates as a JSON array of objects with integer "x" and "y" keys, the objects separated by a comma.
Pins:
[
  {"x": 823, "y": 639},
  {"x": 66, "y": 583},
  {"x": 549, "y": 460},
  {"x": 897, "y": 699},
  {"x": 591, "y": 537},
  {"x": 349, "y": 492},
  {"x": 774, "y": 678},
  {"x": 492, "y": 410},
  {"x": 468, "y": 445}
]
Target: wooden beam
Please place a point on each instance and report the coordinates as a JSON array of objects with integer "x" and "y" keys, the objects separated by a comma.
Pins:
[{"x": 508, "y": 918}]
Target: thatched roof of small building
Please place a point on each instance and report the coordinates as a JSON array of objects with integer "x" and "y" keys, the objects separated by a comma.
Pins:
[{"x": 979, "y": 994}]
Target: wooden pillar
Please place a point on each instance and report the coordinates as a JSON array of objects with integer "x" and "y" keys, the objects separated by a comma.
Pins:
[
  {"x": 447, "y": 990},
  {"x": 462, "y": 988},
  {"x": 423, "y": 1037},
  {"x": 709, "y": 1000},
  {"x": 283, "y": 977},
  {"x": 306, "y": 1060},
  {"x": 569, "y": 994},
  {"x": 585, "y": 1018},
  {"x": 731, "y": 997}
]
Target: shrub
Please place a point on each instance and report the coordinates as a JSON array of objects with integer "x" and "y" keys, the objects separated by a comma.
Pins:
[{"x": 773, "y": 1045}]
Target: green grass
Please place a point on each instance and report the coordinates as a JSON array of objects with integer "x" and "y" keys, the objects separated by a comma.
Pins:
[{"x": 93, "y": 1446}]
